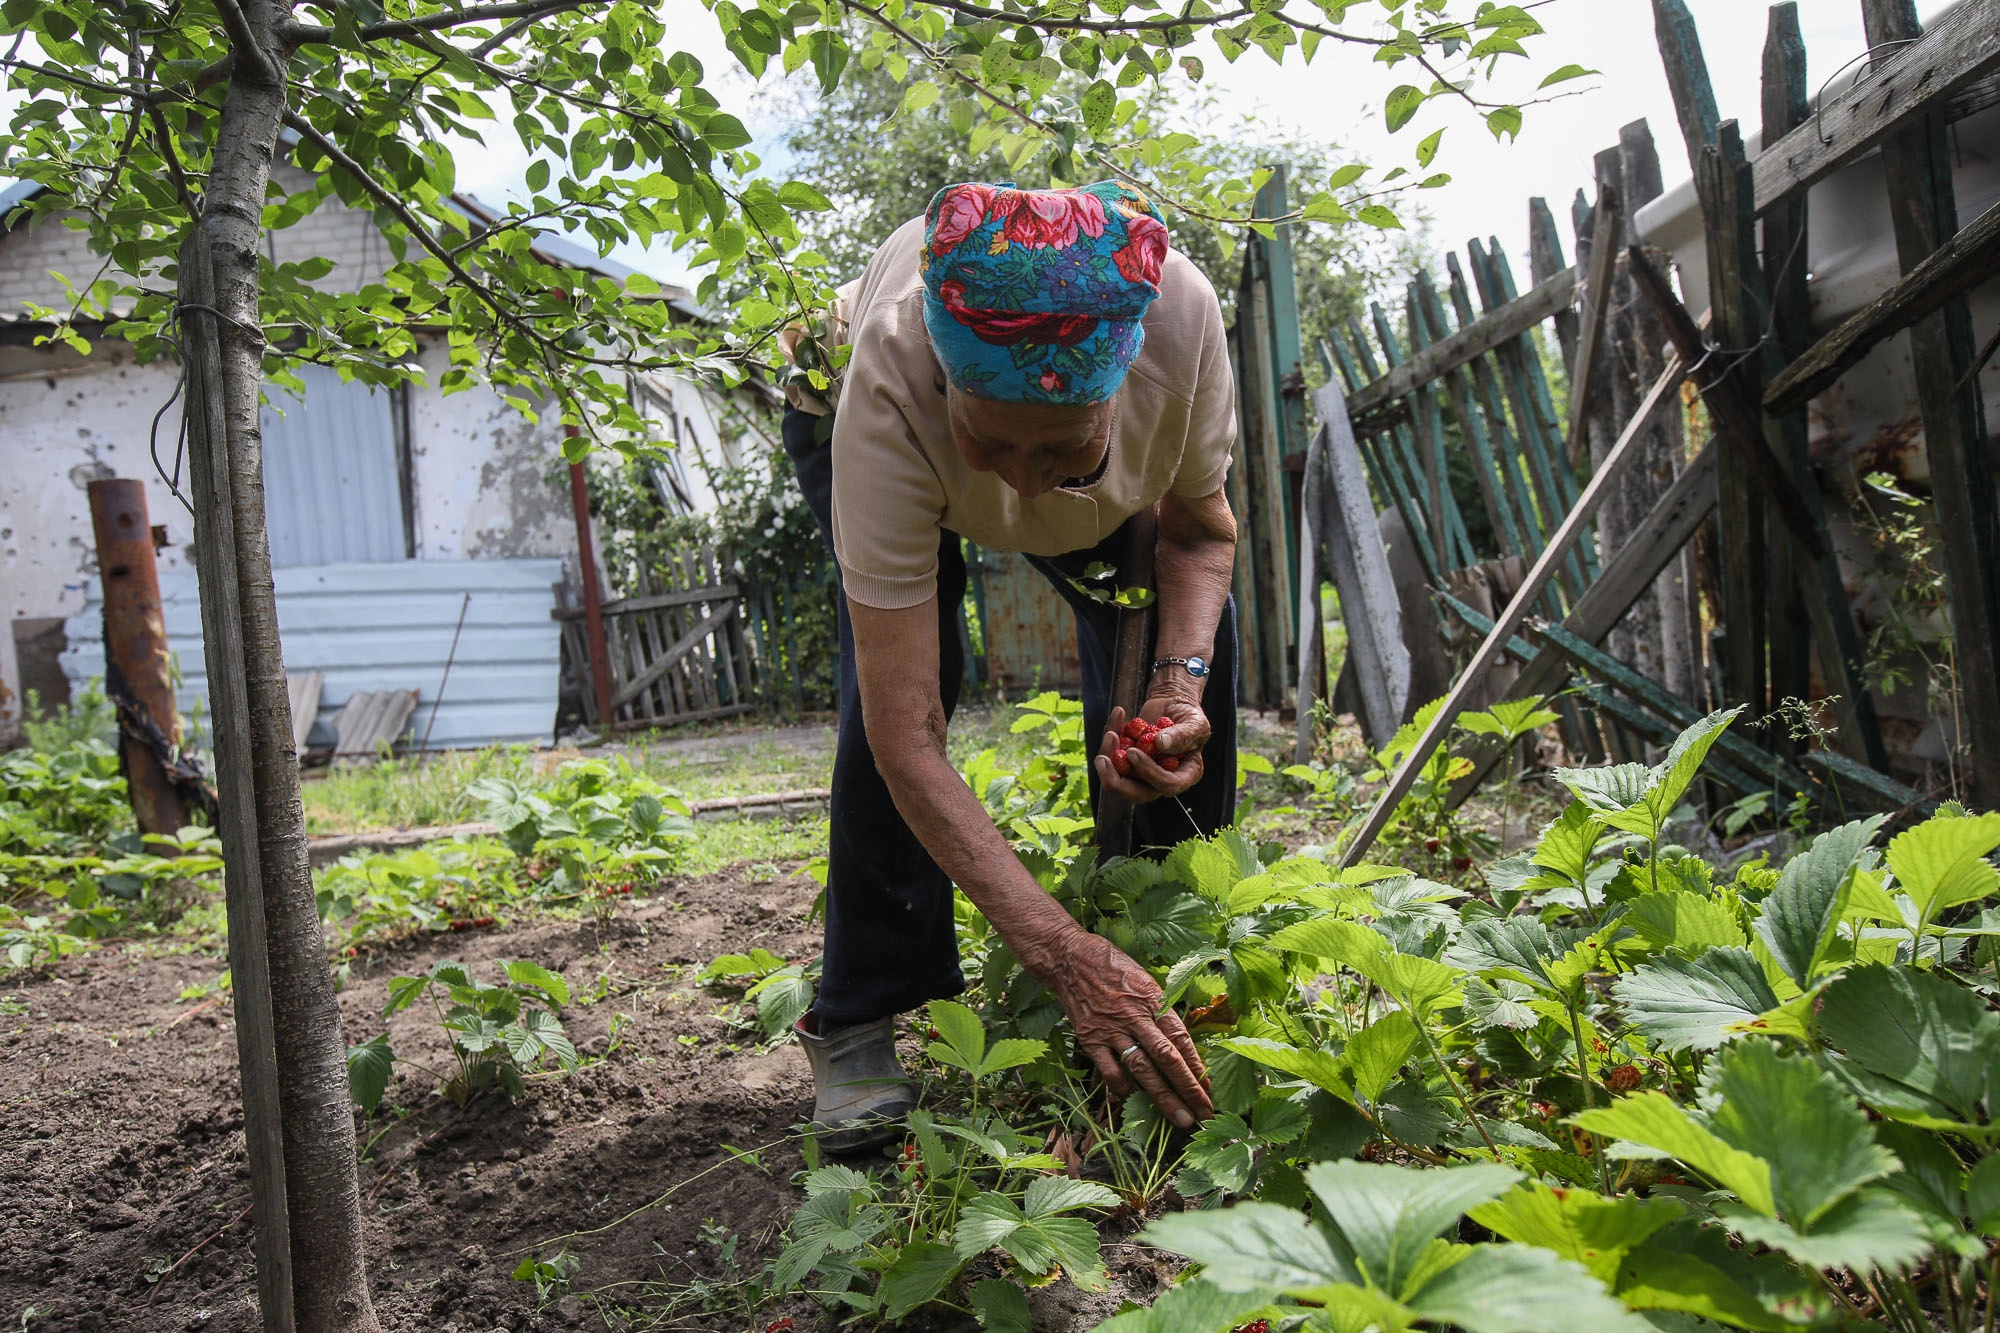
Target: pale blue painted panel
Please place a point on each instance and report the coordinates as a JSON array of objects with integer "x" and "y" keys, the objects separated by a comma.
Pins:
[
  {"x": 389, "y": 626},
  {"x": 333, "y": 489}
]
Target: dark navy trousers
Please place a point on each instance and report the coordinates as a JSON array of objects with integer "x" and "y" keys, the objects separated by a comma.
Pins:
[{"x": 890, "y": 944}]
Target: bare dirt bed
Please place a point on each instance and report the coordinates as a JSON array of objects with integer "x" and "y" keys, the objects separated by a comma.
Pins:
[
  {"x": 121, "y": 1147},
  {"x": 121, "y": 1150}
]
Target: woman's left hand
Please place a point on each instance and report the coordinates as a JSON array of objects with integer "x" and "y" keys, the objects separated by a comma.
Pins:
[{"x": 1148, "y": 781}]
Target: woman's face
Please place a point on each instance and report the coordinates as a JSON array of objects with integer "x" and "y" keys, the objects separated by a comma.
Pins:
[{"x": 1033, "y": 447}]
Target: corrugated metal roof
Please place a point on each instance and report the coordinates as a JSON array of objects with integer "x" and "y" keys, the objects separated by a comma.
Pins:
[{"x": 389, "y": 626}]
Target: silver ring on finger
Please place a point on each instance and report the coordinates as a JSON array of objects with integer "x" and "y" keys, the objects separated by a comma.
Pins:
[{"x": 1126, "y": 1054}]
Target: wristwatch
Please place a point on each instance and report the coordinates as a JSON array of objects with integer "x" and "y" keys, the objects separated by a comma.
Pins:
[{"x": 1195, "y": 666}]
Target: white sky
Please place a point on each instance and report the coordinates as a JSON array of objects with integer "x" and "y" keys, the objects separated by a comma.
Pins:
[{"x": 1491, "y": 182}]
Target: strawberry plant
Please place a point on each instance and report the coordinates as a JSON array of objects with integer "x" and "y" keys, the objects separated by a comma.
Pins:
[
  {"x": 498, "y": 1033},
  {"x": 1613, "y": 1087}
]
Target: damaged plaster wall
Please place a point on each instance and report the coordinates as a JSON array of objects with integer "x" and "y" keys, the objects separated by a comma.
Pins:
[
  {"x": 487, "y": 480},
  {"x": 65, "y": 427}
]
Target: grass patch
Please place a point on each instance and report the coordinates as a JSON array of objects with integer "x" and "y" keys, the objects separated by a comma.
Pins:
[{"x": 767, "y": 846}]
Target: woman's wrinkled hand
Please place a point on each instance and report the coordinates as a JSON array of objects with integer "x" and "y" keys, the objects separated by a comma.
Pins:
[
  {"x": 1148, "y": 781},
  {"x": 1115, "y": 1009}
]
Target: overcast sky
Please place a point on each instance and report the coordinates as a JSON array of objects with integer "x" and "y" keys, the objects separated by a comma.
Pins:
[{"x": 1491, "y": 182}]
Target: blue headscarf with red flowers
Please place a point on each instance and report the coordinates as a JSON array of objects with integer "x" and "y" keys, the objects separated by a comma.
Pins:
[{"x": 1035, "y": 296}]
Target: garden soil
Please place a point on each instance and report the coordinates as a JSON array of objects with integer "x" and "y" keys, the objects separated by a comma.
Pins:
[{"x": 123, "y": 1185}]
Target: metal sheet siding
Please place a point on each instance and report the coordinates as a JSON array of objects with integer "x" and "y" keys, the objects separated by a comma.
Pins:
[
  {"x": 389, "y": 626},
  {"x": 1030, "y": 630},
  {"x": 332, "y": 487}
]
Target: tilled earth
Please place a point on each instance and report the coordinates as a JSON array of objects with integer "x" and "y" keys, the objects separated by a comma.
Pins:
[{"x": 123, "y": 1184}]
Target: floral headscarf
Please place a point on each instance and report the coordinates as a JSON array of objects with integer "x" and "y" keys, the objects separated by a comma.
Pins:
[{"x": 1035, "y": 296}]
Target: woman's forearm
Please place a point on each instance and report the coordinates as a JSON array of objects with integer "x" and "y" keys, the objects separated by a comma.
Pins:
[{"x": 1194, "y": 562}]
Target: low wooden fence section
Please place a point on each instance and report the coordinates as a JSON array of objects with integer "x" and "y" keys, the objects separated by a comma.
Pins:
[{"x": 678, "y": 646}]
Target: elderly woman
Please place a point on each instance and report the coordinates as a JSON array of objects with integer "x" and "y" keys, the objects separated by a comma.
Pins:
[{"x": 1029, "y": 369}]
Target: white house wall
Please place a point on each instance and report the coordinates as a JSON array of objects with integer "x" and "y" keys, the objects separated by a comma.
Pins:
[
  {"x": 484, "y": 476},
  {"x": 58, "y": 431}
]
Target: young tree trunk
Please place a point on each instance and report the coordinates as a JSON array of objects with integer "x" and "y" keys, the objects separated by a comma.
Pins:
[{"x": 329, "y": 1287}]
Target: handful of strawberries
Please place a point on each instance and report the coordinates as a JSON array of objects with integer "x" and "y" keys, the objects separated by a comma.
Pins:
[{"x": 1139, "y": 734}]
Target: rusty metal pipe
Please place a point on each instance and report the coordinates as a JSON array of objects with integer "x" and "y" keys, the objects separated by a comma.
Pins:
[{"x": 137, "y": 674}]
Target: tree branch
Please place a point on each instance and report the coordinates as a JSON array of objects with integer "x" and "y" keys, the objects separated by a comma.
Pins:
[
  {"x": 263, "y": 69},
  {"x": 296, "y": 35}
]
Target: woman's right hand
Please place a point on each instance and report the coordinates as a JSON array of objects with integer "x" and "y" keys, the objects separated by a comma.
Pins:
[{"x": 1115, "y": 1008}]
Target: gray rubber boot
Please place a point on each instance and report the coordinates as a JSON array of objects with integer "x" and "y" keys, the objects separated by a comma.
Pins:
[{"x": 861, "y": 1093}]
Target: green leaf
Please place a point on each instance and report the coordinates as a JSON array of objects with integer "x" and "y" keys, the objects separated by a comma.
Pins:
[
  {"x": 1695, "y": 1004},
  {"x": 1568, "y": 845},
  {"x": 1346, "y": 176},
  {"x": 1930, "y": 1036},
  {"x": 1318, "y": 1068},
  {"x": 798, "y": 194},
  {"x": 1009, "y": 1053},
  {"x": 1683, "y": 921},
  {"x": 1982, "y": 1196},
  {"x": 1591, "y": 1230},
  {"x": 1049, "y": 1195},
  {"x": 1191, "y": 1307},
  {"x": 523, "y": 973},
  {"x": 1402, "y": 104},
  {"x": 1390, "y": 1214},
  {"x": 1378, "y": 1052},
  {"x": 1871, "y": 1229},
  {"x": 1563, "y": 75},
  {"x": 916, "y": 1278},
  {"x": 1426, "y": 151},
  {"x": 1502, "y": 1004},
  {"x": 1802, "y": 1123},
  {"x": 962, "y": 1031},
  {"x": 1801, "y": 912},
  {"x": 368, "y": 1068},
  {"x": 1654, "y": 1124},
  {"x": 985, "y": 1222},
  {"x": 1941, "y": 863},
  {"x": 1514, "y": 1289},
  {"x": 1100, "y": 104},
  {"x": 1655, "y": 1277},
  {"x": 1516, "y": 947},
  {"x": 403, "y": 992},
  {"x": 1338, "y": 941},
  {"x": 1255, "y": 1247},
  {"x": 1001, "y": 1307},
  {"x": 1504, "y": 122}
]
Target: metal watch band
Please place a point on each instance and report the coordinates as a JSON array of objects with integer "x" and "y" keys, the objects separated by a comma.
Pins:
[{"x": 1196, "y": 667}]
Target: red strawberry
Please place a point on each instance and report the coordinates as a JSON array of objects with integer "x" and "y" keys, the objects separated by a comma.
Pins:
[
  {"x": 1170, "y": 762},
  {"x": 1165, "y": 722},
  {"x": 1146, "y": 742},
  {"x": 1121, "y": 760},
  {"x": 1134, "y": 729},
  {"x": 1624, "y": 1078}
]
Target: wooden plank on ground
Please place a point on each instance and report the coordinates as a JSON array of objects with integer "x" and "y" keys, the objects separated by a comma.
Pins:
[
  {"x": 370, "y": 719},
  {"x": 1343, "y": 524},
  {"x": 303, "y": 689},
  {"x": 1499, "y": 326},
  {"x": 1891, "y": 95}
]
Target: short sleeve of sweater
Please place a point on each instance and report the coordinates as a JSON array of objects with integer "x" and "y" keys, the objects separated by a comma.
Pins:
[
  {"x": 888, "y": 501},
  {"x": 1211, "y": 437}
]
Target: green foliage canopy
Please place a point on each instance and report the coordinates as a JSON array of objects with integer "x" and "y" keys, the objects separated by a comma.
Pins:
[{"x": 124, "y": 111}]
